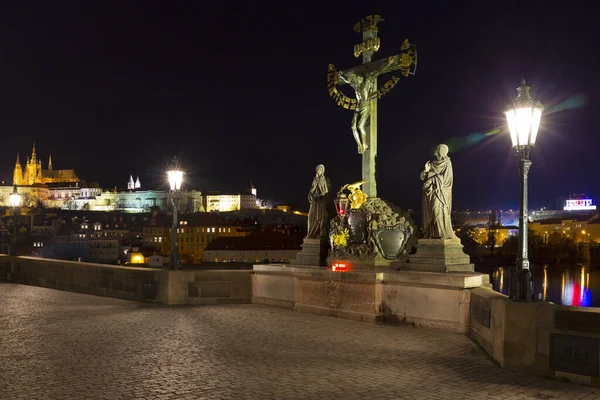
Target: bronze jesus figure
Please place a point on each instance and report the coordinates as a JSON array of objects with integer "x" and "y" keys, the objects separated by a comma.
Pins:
[{"x": 365, "y": 88}]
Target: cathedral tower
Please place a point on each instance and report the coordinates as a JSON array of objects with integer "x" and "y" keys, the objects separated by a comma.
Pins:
[
  {"x": 34, "y": 174},
  {"x": 30, "y": 168},
  {"x": 33, "y": 155},
  {"x": 18, "y": 173},
  {"x": 131, "y": 183}
]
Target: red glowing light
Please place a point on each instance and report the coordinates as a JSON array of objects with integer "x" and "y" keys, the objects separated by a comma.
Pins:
[
  {"x": 341, "y": 205},
  {"x": 341, "y": 267}
]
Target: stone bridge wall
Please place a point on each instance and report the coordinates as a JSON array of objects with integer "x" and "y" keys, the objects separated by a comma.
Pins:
[
  {"x": 130, "y": 283},
  {"x": 538, "y": 337}
]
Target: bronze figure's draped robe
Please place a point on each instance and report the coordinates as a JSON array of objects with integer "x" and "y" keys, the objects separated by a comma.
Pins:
[
  {"x": 437, "y": 180},
  {"x": 318, "y": 214}
]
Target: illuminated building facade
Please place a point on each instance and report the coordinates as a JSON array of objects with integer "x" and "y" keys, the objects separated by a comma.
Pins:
[
  {"x": 195, "y": 232},
  {"x": 501, "y": 234},
  {"x": 34, "y": 174},
  {"x": 230, "y": 202},
  {"x": 581, "y": 229}
]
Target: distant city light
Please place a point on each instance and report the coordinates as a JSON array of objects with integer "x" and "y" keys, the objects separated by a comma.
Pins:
[
  {"x": 579, "y": 204},
  {"x": 15, "y": 198}
]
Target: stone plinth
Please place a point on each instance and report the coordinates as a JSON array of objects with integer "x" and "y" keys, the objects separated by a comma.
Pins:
[
  {"x": 375, "y": 263},
  {"x": 426, "y": 299},
  {"x": 439, "y": 255},
  {"x": 313, "y": 254}
]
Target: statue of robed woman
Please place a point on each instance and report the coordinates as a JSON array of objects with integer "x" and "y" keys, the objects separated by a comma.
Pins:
[
  {"x": 437, "y": 180},
  {"x": 319, "y": 212}
]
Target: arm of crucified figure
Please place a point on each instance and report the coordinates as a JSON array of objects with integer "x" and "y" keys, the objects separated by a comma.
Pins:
[
  {"x": 341, "y": 77},
  {"x": 386, "y": 67}
]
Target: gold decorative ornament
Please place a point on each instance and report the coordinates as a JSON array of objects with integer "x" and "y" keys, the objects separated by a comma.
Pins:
[
  {"x": 341, "y": 239},
  {"x": 357, "y": 196},
  {"x": 368, "y": 23},
  {"x": 371, "y": 44}
]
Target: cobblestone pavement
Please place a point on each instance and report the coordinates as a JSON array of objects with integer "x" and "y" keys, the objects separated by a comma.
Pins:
[{"x": 60, "y": 345}]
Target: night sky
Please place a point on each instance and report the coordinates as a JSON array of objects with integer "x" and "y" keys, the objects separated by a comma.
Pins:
[{"x": 238, "y": 91}]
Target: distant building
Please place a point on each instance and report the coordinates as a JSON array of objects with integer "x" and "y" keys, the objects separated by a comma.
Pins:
[
  {"x": 278, "y": 245},
  {"x": 230, "y": 202},
  {"x": 157, "y": 261},
  {"x": 234, "y": 202},
  {"x": 582, "y": 228},
  {"x": 131, "y": 185},
  {"x": 481, "y": 234},
  {"x": 34, "y": 174},
  {"x": 194, "y": 233},
  {"x": 86, "y": 236}
]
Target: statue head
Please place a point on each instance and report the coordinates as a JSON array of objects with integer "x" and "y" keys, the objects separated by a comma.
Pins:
[
  {"x": 320, "y": 170},
  {"x": 441, "y": 152},
  {"x": 355, "y": 79}
]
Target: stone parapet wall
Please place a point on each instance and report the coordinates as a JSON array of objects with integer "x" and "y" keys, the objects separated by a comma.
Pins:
[
  {"x": 130, "y": 283},
  {"x": 538, "y": 337},
  {"x": 209, "y": 287}
]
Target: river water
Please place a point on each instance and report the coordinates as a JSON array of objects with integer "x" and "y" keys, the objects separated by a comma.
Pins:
[{"x": 571, "y": 286}]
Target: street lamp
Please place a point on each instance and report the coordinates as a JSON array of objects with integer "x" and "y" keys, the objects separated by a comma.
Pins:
[
  {"x": 175, "y": 176},
  {"x": 15, "y": 202},
  {"x": 523, "y": 117}
]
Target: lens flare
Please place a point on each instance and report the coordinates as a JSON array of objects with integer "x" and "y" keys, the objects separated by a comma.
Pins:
[
  {"x": 459, "y": 143},
  {"x": 576, "y": 101}
]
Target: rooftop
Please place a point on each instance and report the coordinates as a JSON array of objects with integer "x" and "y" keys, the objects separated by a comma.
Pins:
[{"x": 261, "y": 240}]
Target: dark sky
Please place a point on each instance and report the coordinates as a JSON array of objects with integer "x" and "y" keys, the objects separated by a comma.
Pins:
[{"x": 238, "y": 91}]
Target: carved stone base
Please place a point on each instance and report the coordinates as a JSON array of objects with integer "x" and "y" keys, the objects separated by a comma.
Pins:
[
  {"x": 438, "y": 255},
  {"x": 378, "y": 234},
  {"x": 374, "y": 263},
  {"x": 313, "y": 254}
]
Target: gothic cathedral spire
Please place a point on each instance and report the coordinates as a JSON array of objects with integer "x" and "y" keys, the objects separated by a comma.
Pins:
[
  {"x": 50, "y": 163},
  {"x": 18, "y": 173},
  {"x": 33, "y": 157}
]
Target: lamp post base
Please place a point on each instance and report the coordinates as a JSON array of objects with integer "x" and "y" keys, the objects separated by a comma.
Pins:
[{"x": 520, "y": 285}]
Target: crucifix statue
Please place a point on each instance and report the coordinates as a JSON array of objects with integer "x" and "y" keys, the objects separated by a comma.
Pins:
[
  {"x": 363, "y": 79},
  {"x": 365, "y": 87}
]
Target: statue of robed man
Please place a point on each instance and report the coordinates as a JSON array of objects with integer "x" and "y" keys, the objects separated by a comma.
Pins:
[
  {"x": 437, "y": 180},
  {"x": 319, "y": 212}
]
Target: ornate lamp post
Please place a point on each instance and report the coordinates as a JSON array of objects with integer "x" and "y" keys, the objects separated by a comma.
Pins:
[
  {"x": 175, "y": 176},
  {"x": 523, "y": 117},
  {"x": 15, "y": 202}
]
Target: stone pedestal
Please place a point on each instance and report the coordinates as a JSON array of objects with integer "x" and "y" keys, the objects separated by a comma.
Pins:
[
  {"x": 425, "y": 299},
  {"x": 439, "y": 255},
  {"x": 313, "y": 254}
]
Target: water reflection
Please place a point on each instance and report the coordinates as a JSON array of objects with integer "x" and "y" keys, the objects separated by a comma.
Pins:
[
  {"x": 575, "y": 289},
  {"x": 545, "y": 282},
  {"x": 499, "y": 279},
  {"x": 561, "y": 285}
]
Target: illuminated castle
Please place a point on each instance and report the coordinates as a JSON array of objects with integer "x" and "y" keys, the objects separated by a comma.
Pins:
[{"x": 33, "y": 173}]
